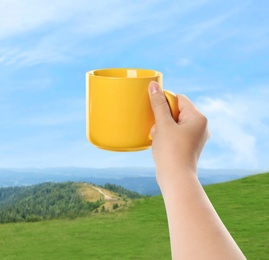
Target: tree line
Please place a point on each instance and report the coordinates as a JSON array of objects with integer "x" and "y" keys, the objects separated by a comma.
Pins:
[
  {"x": 122, "y": 192},
  {"x": 43, "y": 201}
]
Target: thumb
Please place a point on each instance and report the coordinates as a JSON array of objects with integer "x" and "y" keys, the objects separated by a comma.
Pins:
[{"x": 159, "y": 103}]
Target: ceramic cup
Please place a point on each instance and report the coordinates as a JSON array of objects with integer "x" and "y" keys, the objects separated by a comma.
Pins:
[{"x": 118, "y": 111}]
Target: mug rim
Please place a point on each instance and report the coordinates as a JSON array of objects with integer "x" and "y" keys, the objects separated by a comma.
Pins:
[{"x": 92, "y": 73}]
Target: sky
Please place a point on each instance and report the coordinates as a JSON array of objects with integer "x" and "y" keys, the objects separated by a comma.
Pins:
[{"x": 215, "y": 52}]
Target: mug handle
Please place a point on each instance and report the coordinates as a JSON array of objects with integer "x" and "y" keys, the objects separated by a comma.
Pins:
[{"x": 173, "y": 103}]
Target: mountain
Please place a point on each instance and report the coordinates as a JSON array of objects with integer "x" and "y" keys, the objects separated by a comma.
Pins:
[
  {"x": 141, "y": 180},
  {"x": 59, "y": 200}
]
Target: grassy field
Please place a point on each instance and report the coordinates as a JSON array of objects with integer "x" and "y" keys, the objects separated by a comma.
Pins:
[
  {"x": 140, "y": 232},
  {"x": 244, "y": 208}
]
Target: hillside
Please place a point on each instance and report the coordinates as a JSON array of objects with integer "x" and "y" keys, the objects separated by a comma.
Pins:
[
  {"x": 59, "y": 200},
  {"x": 244, "y": 208},
  {"x": 141, "y": 231}
]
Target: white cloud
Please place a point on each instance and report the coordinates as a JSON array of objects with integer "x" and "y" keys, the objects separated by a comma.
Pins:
[
  {"x": 48, "y": 32},
  {"x": 38, "y": 31},
  {"x": 21, "y": 16},
  {"x": 184, "y": 62},
  {"x": 201, "y": 28},
  {"x": 93, "y": 18},
  {"x": 215, "y": 24},
  {"x": 40, "y": 53},
  {"x": 59, "y": 30},
  {"x": 238, "y": 124}
]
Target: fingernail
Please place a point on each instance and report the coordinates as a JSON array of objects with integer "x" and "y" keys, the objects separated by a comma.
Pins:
[{"x": 154, "y": 87}]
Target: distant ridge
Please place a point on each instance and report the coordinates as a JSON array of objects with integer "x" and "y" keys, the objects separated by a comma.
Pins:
[{"x": 141, "y": 180}]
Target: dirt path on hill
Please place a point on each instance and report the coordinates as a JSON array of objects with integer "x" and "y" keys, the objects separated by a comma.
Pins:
[{"x": 106, "y": 197}]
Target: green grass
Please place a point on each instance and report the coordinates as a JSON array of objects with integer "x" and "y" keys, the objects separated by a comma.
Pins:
[
  {"x": 141, "y": 231},
  {"x": 243, "y": 206}
]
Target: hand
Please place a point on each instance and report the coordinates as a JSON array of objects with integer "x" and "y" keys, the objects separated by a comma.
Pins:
[
  {"x": 176, "y": 144},
  {"x": 196, "y": 231}
]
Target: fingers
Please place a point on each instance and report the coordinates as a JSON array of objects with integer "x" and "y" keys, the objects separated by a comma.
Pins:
[
  {"x": 152, "y": 131},
  {"x": 159, "y": 104},
  {"x": 188, "y": 109},
  {"x": 184, "y": 102}
]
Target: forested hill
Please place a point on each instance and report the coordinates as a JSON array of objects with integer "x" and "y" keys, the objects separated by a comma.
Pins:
[{"x": 59, "y": 200}]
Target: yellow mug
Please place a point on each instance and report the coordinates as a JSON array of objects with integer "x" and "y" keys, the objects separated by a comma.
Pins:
[{"x": 118, "y": 111}]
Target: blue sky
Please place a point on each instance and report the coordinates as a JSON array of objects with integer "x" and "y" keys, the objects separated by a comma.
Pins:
[{"x": 215, "y": 52}]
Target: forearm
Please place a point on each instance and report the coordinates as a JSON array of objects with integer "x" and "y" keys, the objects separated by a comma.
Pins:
[{"x": 196, "y": 231}]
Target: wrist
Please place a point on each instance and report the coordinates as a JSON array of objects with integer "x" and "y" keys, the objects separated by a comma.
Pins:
[{"x": 175, "y": 175}]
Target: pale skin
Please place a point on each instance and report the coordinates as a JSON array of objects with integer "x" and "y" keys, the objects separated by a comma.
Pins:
[{"x": 196, "y": 231}]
